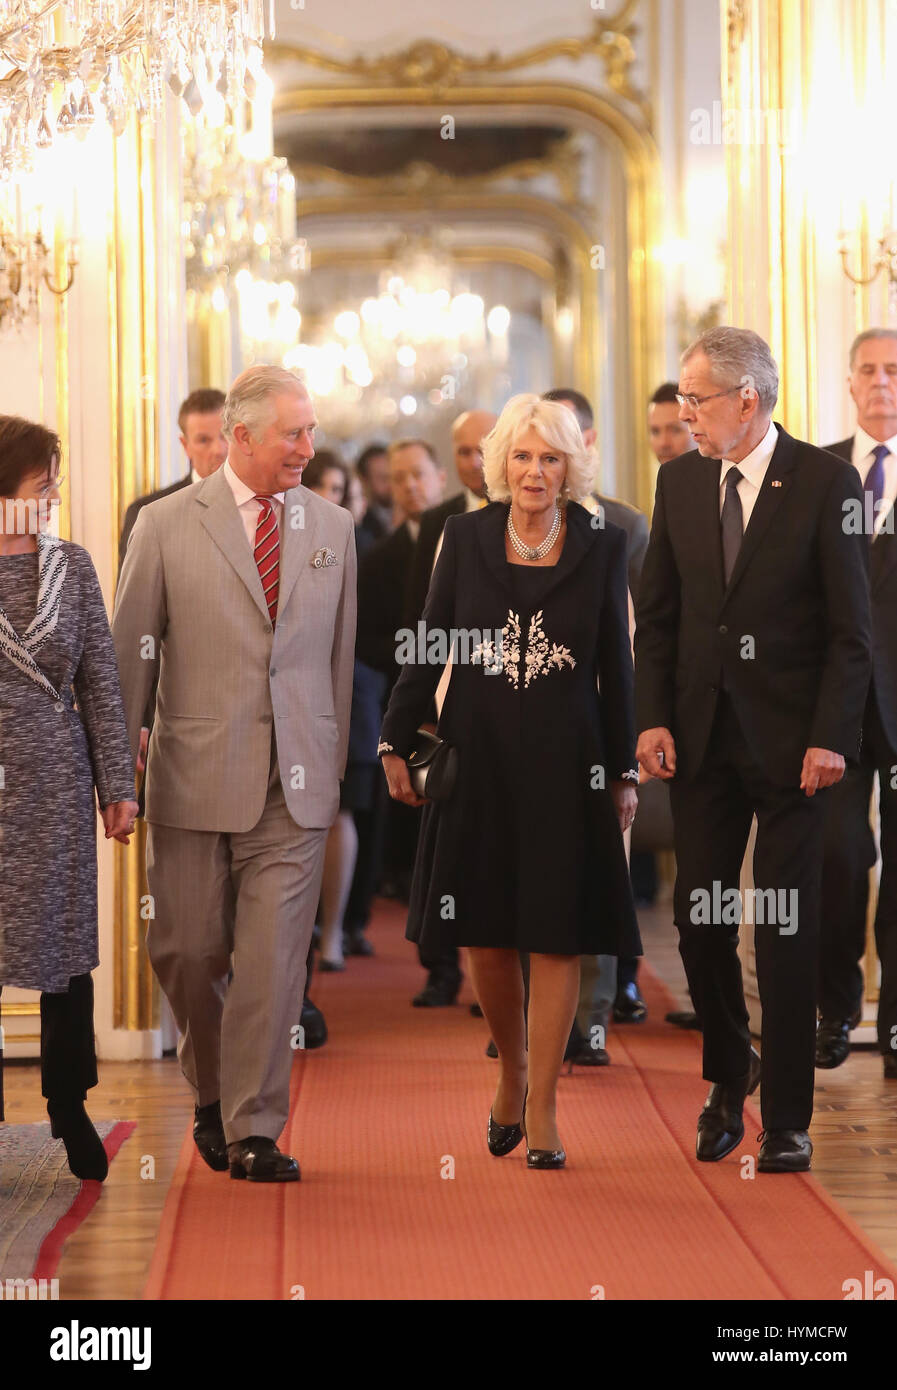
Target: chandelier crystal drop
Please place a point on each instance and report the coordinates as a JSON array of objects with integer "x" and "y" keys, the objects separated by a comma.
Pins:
[{"x": 64, "y": 62}]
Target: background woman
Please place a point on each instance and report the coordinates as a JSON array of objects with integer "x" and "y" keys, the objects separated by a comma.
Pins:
[
  {"x": 527, "y": 854},
  {"x": 62, "y": 735}
]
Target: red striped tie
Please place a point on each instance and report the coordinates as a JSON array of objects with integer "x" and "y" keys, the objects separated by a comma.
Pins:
[{"x": 267, "y": 552}]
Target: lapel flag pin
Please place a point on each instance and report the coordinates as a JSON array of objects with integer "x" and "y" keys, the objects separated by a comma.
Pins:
[{"x": 776, "y": 482}]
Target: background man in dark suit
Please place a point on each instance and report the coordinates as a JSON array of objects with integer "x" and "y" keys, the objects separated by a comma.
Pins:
[
  {"x": 468, "y": 432},
  {"x": 372, "y": 467},
  {"x": 667, "y": 434},
  {"x": 605, "y": 982},
  {"x": 199, "y": 420},
  {"x": 417, "y": 484},
  {"x": 850, "y": 845},
  {"x": 752, "y": 665}
]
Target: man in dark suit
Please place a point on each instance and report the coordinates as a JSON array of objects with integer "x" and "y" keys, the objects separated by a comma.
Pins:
[
  {"x": 752, "y": 664},
  {"x": 417, "y": 483},
  {"x": 372, "y": 467},
  {"x": 850, "y": 844},
  {"x": 606, "y": 983},
  {"x": 468, "y": 431},
  {"x": 199, "y": 420}
]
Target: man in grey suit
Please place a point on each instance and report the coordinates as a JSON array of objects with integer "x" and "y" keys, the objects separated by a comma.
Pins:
[{"x": 240, "y": 590}]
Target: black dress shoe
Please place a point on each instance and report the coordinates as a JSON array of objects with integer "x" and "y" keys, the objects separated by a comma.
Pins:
[
  {"x": 355, "y": 943},
  {"x": 720, "y": 1123},
  {"x": 260, "y": 1160},
  {"x": 314, "y": 1027},
  {"x": 330, "y": 966},
  {"x": 503, "y": 1138},
  {"x": 833, "y": 1041},
  {"x": 587, "y": 1056},
  {"x": 890, "y": 1065},
  {"x": 439, "y": 992},
  {"x": 683, "y": 1018},
  {"x": 629, "y": 1006},
  {"x": 476, "y": 1011},
  {"x": 70, "y": 1122},
  {"x": 208, "y": 1135},
  {"x": 491, "y": 1049},
  {"x": 784, "y": 1151},
  {"x": 542, "y": 1158}
]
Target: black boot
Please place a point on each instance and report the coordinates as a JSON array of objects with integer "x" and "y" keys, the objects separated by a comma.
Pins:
[{"x": 70, "y": 1122}]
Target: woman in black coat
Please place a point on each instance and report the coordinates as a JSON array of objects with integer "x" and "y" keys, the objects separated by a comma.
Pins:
[{"x": 527, "y": 853}]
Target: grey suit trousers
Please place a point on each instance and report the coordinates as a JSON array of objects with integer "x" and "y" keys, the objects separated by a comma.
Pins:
[{"x": 253, "y": 895}]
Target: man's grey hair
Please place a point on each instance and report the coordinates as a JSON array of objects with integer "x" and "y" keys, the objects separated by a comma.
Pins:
[
  {"x": 867, "y": 337},
  {"x": 250, "y": 400},
  {"x": 739, "y": 356}
]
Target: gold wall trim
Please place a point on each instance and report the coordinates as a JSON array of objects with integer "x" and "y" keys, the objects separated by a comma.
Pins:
[
  {"x": 439, "y": 67},
  {"x": 29, "y": 1010},
  {"x": 421, "y": 177},
  {"x": 362, "y": 258},
  {"x": 639, "y": 163}
]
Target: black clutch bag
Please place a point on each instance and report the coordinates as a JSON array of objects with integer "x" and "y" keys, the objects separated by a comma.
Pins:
[{"x": 433, "y": 767}]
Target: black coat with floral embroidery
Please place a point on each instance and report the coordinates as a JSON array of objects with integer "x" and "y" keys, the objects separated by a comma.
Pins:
[{"x": 527, "y": 853}]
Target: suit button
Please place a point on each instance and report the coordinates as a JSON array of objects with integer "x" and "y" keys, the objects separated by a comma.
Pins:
[
  {"x": 273, "y": 671},
  {"x": 268, "y": 627},
  {"x": 723, "y": 629},
  {"x": 59, "y": 707},
  {"x": 713, "y": 690}
]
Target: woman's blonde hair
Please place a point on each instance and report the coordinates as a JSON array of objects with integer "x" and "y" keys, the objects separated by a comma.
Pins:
[{"x": 558, "y": 426}]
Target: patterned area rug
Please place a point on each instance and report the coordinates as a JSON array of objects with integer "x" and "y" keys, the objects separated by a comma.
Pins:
[{"x": 41, "y": 1201}]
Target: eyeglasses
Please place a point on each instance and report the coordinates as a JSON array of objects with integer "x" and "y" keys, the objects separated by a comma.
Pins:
[{"x": 695, "y": 401}]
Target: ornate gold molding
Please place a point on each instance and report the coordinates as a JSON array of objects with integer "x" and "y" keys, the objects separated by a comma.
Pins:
[
  {"x": 426, "y": 63},
  {"x": 485, "y": 253},
  {"x": 420, "y": 178}
]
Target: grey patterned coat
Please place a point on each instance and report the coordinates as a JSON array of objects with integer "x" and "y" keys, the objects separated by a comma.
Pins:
[{"x": 53, "y": 753}]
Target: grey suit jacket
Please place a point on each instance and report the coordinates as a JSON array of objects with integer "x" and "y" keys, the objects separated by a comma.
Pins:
[
  {"x": 635, "y": 524},
  {"x": 190, "y": 606}
]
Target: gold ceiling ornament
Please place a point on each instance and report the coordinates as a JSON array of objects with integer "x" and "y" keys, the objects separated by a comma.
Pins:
[
  {"x": 419, "y": 177},
  {"x": 426, "y": 63}
]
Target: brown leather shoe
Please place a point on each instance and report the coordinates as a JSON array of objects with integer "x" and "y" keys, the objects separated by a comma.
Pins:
[{"x": 260, "y": 1160}]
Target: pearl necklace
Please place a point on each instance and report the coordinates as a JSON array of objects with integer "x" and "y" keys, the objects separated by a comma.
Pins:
[{"x": 527, "y": 552}]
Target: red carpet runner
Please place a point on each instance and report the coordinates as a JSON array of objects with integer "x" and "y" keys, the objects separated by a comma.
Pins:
[{"x": 400, "y": 1198}]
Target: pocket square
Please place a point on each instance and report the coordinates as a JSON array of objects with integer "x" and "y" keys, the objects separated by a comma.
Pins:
[{"x": 324, "y": 556}]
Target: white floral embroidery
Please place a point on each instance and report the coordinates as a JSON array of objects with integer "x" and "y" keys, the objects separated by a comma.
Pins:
[
  {"x": 540, "y": 656},
  {"x": 384, "y": 748}
]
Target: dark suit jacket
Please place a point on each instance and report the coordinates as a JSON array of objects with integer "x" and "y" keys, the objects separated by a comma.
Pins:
[
  {"x": 382, "y": 579},
  {"x": 432, "y": 525},
  {"x": 883, "y": 593},
  {"x": 134, "y": 508},
  {"x": 798, "y": 597},
  {"x": 635, "y": 524}
]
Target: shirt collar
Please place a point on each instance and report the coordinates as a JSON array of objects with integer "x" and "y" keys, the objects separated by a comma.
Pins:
[
  {"x": 242, "y": 492},
  {"x": 472, "y": 503},
  {"x": 755, "y": 465},
  {"x": 864, "y": 444},
  {"x": 413, "y": 529},
  {"x": 194, "y": 476}
]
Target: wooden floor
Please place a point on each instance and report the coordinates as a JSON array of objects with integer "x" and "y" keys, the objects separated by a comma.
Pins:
[{"x": 854, "y": 1132}]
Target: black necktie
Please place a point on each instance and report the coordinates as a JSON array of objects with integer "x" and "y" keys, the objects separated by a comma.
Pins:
[{"x": 731, "y": 523}]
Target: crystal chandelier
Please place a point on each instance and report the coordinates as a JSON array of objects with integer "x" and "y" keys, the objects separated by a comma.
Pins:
[
  {"x": 402, "y": 354},
  {"x": 115, "y": 57}
]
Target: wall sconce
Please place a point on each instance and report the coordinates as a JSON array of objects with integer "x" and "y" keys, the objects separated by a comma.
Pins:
[
  {"x": 25, "y": 267},
  {"x": 885, "y": 259}
]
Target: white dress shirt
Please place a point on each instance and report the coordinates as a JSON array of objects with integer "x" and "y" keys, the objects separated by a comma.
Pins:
[
  {"x": 863, "y": 448},
  {"x": 247, "y": 505},
  {"x": 753, "y": 471},
  {"x": 194, "y": 476}
]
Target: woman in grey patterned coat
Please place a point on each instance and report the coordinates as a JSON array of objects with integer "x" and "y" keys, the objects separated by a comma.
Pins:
[{"x": 62, "y": 734}]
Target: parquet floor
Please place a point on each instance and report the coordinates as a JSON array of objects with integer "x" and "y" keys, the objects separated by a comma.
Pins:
[{"x": 854, "y": 1133}]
